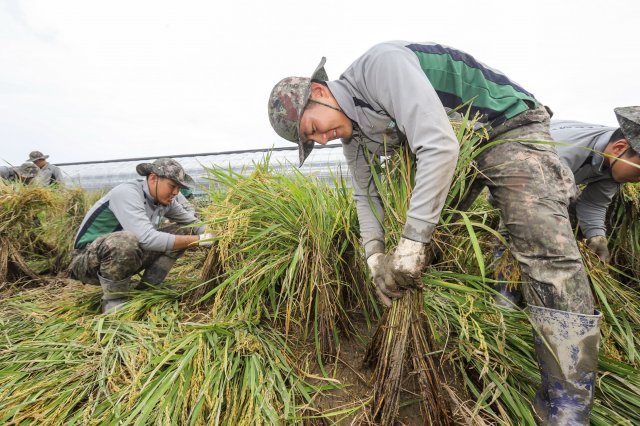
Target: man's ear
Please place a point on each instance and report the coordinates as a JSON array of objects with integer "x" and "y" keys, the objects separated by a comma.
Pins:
[
  {"x": 319, "y": 91},
  {"x": 618, "y": 147}
]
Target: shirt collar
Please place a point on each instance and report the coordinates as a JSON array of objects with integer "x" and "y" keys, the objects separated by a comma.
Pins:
[
  {"x": 146, "y": 192},
  {"x": 597, "y": 159},
  {"x": 342, "y": 93}
]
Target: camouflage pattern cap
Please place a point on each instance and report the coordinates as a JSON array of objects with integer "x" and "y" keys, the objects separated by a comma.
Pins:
[
  {"x": 629, "y": 120},
  {"x": 166, "y": 168},
  {"x": 36, "y": 155},
  {"x": 287, "y": 101},
  {"x": 189, "y": 181},
  {"x": 27, "y": 170}
]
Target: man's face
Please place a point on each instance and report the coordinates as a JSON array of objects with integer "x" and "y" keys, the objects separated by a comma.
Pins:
[
  {"x": 626, "y": 169},
  {"x": 40, "y": 163},
  {"x": 162, "y": 189},
  {"x": 322, "y": 124}
]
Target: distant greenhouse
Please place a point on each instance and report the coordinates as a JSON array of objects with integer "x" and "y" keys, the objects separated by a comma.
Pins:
[{"x": 324, "y": 162}]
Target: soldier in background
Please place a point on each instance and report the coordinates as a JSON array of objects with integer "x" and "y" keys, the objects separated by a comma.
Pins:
[
  {"x": 24, "y": 173},
  {"x": 601, "y": 158},
  {"x": 50, "y": 174}
]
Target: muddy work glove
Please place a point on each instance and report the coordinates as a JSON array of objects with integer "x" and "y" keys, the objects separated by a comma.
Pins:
[
  {"x": 407, "y": 263},
  {"x": 598, "y": 245},
  {"x": 386, "y": 288}
]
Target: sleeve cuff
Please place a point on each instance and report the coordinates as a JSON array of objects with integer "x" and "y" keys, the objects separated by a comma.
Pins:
[
  {"x": 418, "y": 230},
  {"x": 593, "y": 233},
  {"x": 373, "y": 247}
]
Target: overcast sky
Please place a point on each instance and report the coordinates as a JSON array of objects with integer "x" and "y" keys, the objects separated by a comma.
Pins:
[{"x": 91, "y": 80}]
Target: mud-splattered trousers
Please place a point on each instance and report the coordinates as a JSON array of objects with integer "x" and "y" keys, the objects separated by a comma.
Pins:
[
  {"x": 532, "y": 187},
  {"x": 118, "y": 255}
]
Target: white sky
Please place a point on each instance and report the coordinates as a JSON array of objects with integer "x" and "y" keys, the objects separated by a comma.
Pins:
[{"x": 92, "y": 80}]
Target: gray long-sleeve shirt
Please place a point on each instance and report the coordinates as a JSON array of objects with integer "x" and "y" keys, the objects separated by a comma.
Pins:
[
  {"x": 49, "y": 174},
  {"x": 582, "y": 144},
  {"x": 399, "y": 91},
  {"x": 378, "y": 92},
  {"x": 130, "y": 207}
]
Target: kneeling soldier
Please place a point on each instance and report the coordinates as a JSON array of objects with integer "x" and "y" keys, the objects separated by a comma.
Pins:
[{"x": 121, "y": 234}]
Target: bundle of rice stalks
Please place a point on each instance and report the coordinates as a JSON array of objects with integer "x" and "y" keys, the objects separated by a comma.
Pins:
[
  {"x": 285, "y": 250},
  {"x": 406, "y": 345},
  {"x": 619, "y": 301},
  {"x": 38, "y": 225},
  {"x": 19, "y": 209},
  {"x": 403, "y": 345},
  {"x": 58, "y": 225},
  {"x": 624, "y": 225}
]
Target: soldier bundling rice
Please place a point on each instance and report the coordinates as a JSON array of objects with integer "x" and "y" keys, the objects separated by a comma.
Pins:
[
  {"x": 123, "y": 233},
  {"x": 398, "y": 93}
]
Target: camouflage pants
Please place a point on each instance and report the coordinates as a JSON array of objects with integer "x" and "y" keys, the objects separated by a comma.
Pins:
[
  {"x": 532, "y": 187},
  {"x": 117, "y": 256}
]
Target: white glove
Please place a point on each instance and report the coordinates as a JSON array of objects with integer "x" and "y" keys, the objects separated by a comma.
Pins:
[
  {"x": 206, "y": 239},
  {"x": 407, "y": 263},
  {"x": 386, "y": 288}
]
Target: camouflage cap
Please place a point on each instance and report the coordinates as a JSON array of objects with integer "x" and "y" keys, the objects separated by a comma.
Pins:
[
  {"x": 166, "y": 168},
  {"x": 27, "y": 170},
  {"x": 36, "y": 155},
  {"x": 629, "y": 120},
  {"x": 286, "y": 103},
  {"x": 189, "y": 181}
]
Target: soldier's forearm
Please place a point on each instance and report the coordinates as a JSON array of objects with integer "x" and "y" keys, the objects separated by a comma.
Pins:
[{"x": 185, "y": 241}]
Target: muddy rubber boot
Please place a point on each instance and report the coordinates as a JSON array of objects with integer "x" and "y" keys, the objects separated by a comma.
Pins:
[
  {"x": 114, "y": 293},
  {"x": 508, "y": 297},
  {"x": 157, "y": 271},
  {"x": 566, "y": 346}
]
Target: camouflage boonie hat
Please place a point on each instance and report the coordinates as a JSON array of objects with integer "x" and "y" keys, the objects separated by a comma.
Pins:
[
  {"x": 287, "y": 101},
  {"x": 27, "y": 170},
  {"x": 629, "y": 120},
  {"x": 166, "y": 168},
  {"x": 36, "y": 155}
]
